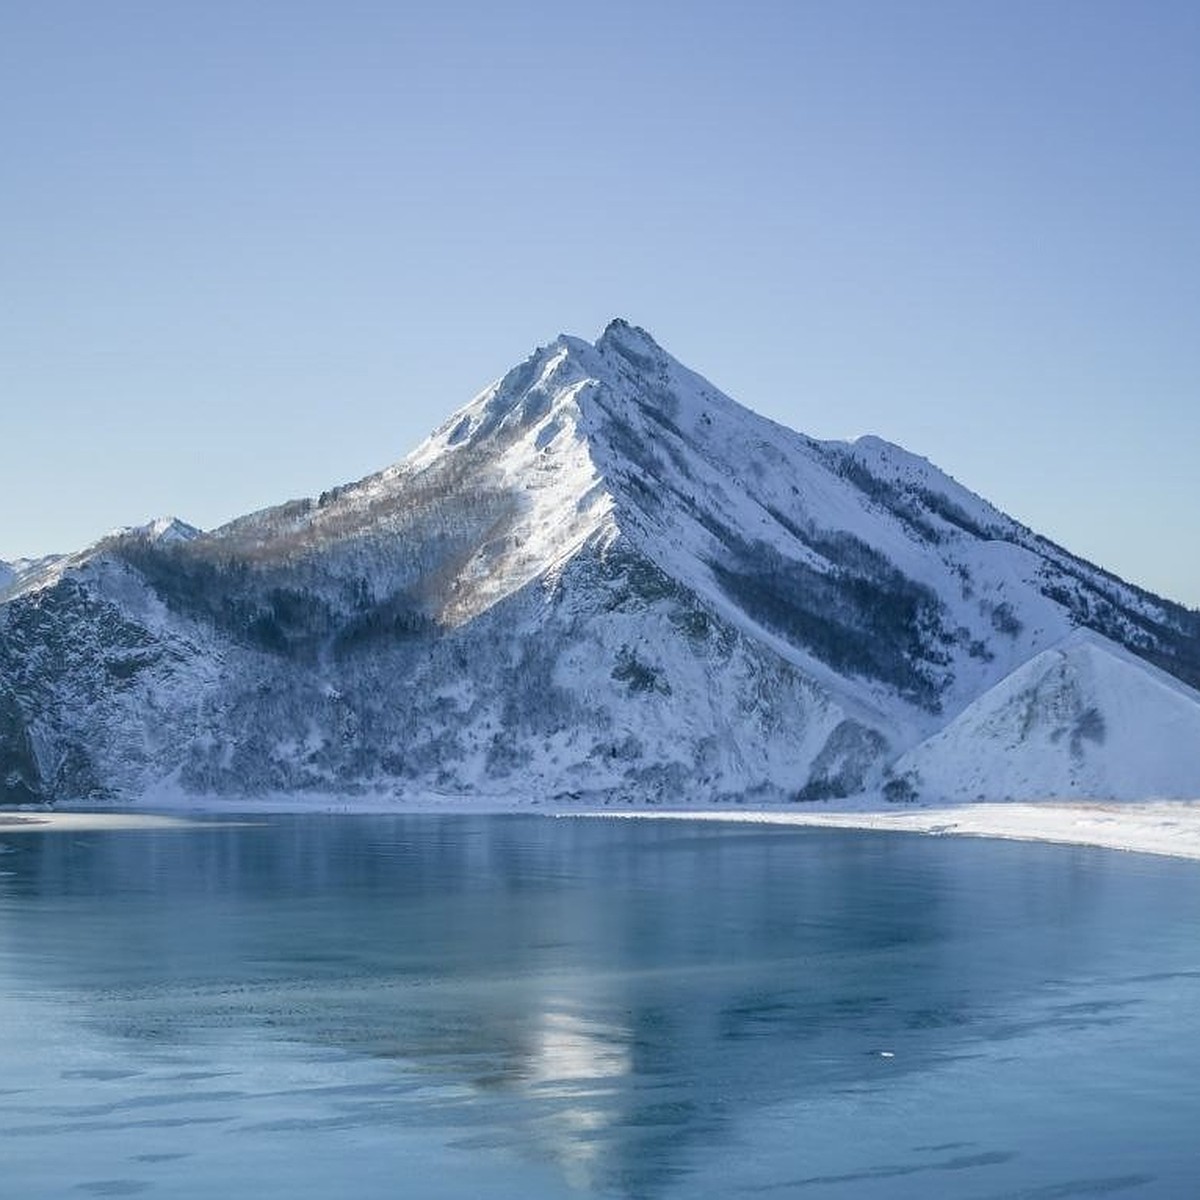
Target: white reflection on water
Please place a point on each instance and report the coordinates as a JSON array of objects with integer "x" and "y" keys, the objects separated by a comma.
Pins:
[
  {"x": 570, "y": 1049},
  {"x": 581, "y": 1065}
]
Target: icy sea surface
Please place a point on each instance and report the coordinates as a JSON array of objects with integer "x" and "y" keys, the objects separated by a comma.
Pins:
[{"x": 369, "y": 1006}]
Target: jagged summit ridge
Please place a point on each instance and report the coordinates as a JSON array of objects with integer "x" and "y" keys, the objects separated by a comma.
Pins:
[
  {"x": 160, "y": 529},
  {"x": 601, "y": 576}
]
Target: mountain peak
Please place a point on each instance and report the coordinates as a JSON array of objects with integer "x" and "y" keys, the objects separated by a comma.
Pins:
[
  {"x": 631, "y": 342},
  {"x": 160, "y": 529}
]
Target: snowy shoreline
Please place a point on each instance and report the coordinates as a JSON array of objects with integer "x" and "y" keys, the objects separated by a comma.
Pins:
[{"x": 1161, "y": 827}]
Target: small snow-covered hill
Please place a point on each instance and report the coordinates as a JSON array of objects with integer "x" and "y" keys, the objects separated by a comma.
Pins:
[
  {"x": 601, "y": 576},
  {"x": 1085, "y": 719}
]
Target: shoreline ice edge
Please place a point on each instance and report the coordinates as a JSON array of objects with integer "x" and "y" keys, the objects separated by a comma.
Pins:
[{"x": 1168, "y": 828}]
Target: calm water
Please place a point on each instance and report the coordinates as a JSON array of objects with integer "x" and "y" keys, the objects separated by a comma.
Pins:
[{"x": 526, "y": 1007}]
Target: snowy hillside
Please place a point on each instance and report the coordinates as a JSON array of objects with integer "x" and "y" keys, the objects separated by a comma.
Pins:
[
  {"x": 13, "y": 574},
  {"x": 1085, "y": 720},
  {"x": 600, "y": 577}
]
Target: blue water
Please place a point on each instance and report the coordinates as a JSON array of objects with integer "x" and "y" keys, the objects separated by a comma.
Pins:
[{"x": 526, "y": 1007}]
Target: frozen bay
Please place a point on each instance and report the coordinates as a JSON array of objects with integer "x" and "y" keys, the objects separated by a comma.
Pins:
[{"x": 520, "y": 1006}]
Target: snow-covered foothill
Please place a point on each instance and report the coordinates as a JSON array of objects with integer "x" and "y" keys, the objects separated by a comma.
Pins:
[{"x": 1085, "y": 719}]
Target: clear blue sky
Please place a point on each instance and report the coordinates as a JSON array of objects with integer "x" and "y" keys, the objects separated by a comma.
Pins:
[{"x": 249, "y": 250}]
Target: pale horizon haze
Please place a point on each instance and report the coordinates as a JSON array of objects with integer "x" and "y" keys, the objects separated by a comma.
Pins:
[{"x": 250, "y": 251}]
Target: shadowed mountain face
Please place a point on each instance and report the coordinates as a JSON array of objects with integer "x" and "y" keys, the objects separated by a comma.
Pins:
[{"x": 602, "y": 576}]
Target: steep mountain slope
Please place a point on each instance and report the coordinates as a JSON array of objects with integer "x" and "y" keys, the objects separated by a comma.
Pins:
[{"x": 601, "y": 576}]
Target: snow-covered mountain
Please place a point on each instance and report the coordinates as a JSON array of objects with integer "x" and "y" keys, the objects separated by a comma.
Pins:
[
  {"x": 35, "y": 574},
  {"x": 17, "y": 571},
  {"x": 602, "y": 576}
]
